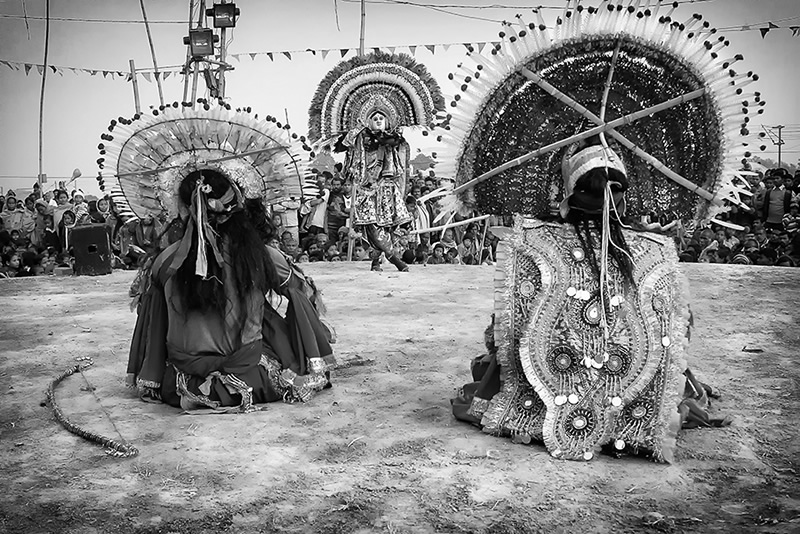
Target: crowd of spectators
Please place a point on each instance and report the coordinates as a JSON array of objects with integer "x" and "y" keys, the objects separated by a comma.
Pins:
[
  {"x": 324, "y": 233},
  {"x": 35, "y": 230},
  {"x": 770, "y": 222}
]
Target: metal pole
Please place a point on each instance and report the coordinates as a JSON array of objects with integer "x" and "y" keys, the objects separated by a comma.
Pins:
[
  {"x": 221, "y": 68},
  {"x": 135, "y": 82},
  {"x": 188, "y": 64},
  {"x": 196, "y": 73},
  {"x": 41, "y": 94},
  {"x": 780, "y": 143},
  {"x": 363, "y": 27},
  {"x": 152, "y": 53}
]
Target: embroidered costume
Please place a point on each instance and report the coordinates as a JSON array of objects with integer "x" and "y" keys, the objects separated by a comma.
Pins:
[
  {"x": 591, "y": 318},
  {"x": 206, "y": 337}
]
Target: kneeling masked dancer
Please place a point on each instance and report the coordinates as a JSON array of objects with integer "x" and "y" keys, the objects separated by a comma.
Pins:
[{"x": 206, "y": 334}]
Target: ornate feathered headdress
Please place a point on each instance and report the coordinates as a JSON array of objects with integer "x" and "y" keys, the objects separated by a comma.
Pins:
[
  {"x": 354, "y": 88},
  {"x": 662, "y": 90},
  {"x": 149, "y": 156}
]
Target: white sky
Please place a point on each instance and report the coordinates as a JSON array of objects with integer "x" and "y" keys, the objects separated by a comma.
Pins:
[{"x": 79, "y": 107}]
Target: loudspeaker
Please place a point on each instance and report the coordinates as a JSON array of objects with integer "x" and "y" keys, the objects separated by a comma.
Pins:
[{"x": 92, "y": 249}]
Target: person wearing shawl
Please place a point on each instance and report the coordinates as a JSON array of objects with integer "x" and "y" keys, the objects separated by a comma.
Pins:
[
  {"x": 587, "y": 350},
  {"x": 206, "y": 337},
  {"x": 378, "y": 163}
]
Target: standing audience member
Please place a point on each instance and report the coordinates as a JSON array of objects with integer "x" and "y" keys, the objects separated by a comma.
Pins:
[
  {"x": 336, "y": 210},
  {"x": 773, "y": 203}
]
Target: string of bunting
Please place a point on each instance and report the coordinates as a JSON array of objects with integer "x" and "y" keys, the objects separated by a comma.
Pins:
[{"x": 166, "y": 72}]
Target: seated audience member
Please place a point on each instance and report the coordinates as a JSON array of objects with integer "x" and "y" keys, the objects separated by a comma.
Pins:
[
  {"x": 290, "y": 247},
  {"x": 785, "y": 261},
  {"x": 438, "y": 257},
  {"x": 29, "y": 264},
  {"x": 766, "y": 256},
  {"x": 448, "y": 240},
  {"x": 10, "y": 266},
  {"x": 452, "y": 257},
  {"x": 467, "y": 250}
]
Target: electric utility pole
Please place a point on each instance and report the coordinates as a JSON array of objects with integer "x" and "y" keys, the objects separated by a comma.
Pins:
[{"x": 780, "y": 142}]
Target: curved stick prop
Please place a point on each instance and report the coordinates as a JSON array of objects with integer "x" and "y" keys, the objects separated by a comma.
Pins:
[{"x": 114, "y": 448}]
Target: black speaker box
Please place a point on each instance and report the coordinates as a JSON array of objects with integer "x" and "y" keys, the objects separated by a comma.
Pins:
[{"x": 92, "y": 249}]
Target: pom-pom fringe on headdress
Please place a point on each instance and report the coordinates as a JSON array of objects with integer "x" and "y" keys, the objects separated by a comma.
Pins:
[
  {"x": 149, "y": 156},
  {"x": 662, "y": 90}
]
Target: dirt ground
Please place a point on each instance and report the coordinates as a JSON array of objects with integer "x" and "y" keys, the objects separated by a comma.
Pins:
[{"x": 380, "y": 452}]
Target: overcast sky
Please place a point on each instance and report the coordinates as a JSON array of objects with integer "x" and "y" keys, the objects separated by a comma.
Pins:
[{"x": 79, "y": 107}]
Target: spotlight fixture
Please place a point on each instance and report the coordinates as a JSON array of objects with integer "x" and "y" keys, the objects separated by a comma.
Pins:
[
  {"x": 224, "y": 15},
  {"x": 201, "y": 42}
]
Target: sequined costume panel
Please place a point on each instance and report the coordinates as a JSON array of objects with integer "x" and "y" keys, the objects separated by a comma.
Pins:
[{"x": 582, "y": 367}]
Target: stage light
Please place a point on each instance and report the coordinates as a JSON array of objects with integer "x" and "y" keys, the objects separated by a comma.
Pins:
[
  {"x": 224, "y": 15},
  {"x": 201, "y": 42}
]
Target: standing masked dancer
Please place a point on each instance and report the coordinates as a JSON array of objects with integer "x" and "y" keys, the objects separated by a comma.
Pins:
[
  {"x": 360, "y": 109},
  {"x": 378, "y": 164},
  {"x": 207, "y": 335},
  {"x": 615, "y": 113}
]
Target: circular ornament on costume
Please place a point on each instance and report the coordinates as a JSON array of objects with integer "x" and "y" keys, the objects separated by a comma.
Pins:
[
  {"x": 640, "y": 411},
  {"x": 619, "y": 362},
  {"x": 528, "y": 402},
  {"x": 526, "y": 289},
  {"x": 616, "y": 402},
  {"x": 580, "y": 422},
  {"x": 578, "y": 254},
  {"x": 665, "y": 341},
  {"x": 588, "y": 455},
  {"x": 573, "y": 398},
  {"x": 659, "y": 303},
  {"x": 560, "y": 400},
  {"x": 562, "y": 359},
  {"x": 619, "y": 444}
]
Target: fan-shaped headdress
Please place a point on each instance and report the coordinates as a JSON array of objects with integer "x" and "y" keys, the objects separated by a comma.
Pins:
[
  {"x": 150, "y": 156},
  {"x": 352, "y": 90},
  {"x": 662, "y": 92}
]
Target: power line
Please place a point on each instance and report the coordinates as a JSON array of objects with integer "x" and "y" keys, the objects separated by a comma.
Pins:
[{"x": 104, "y": 21}]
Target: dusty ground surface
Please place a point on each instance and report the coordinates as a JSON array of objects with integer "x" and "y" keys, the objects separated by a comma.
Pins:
[{"x": 380, "y": 451}]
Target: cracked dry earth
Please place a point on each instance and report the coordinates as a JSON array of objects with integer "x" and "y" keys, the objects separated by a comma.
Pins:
[{"x": 380, "y": 451}]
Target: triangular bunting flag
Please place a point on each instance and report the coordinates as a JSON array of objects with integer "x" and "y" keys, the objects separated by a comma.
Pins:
[
  {"x": 166, "y": 75},
  {"x": 235, "y": 56},
  {"x": 467, "y": 45},
  {"x": 105, "y": 74},
  {"x": 413, "y": 50},
  {"x": 344, "y": 51},
  {"x": 795, "y": 30},
  {"x": 764, "y": 32},
  {"x": 7, "y": 64},
  {"x": 120, "y": 73},
  {"x": 27, "y": 68},
  {"x": 93, "y": 72},
  {"x": 157, "y": 75},
  {"x": 269, "y": 55},
  {"x": 53, "y": 69},
  {"x": 772, "y": 26},
  {"x": 324, "y": 53},
  {"x": 146, "y": 76},
  {"x": 40, "y": 68},
  {"x": 480, "y": 47},
  {"x": 446, "y": 47},
  {"x": 392, "y": 49},
  {"x": 313, "y": 52},
  {"x": 376, "y": 49},
  {"x": 287, "y": 54},
  {"x": 432, "y": 48},
  {"x": 253, "y": 56},
  {"x": 128, "y": 78}
]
